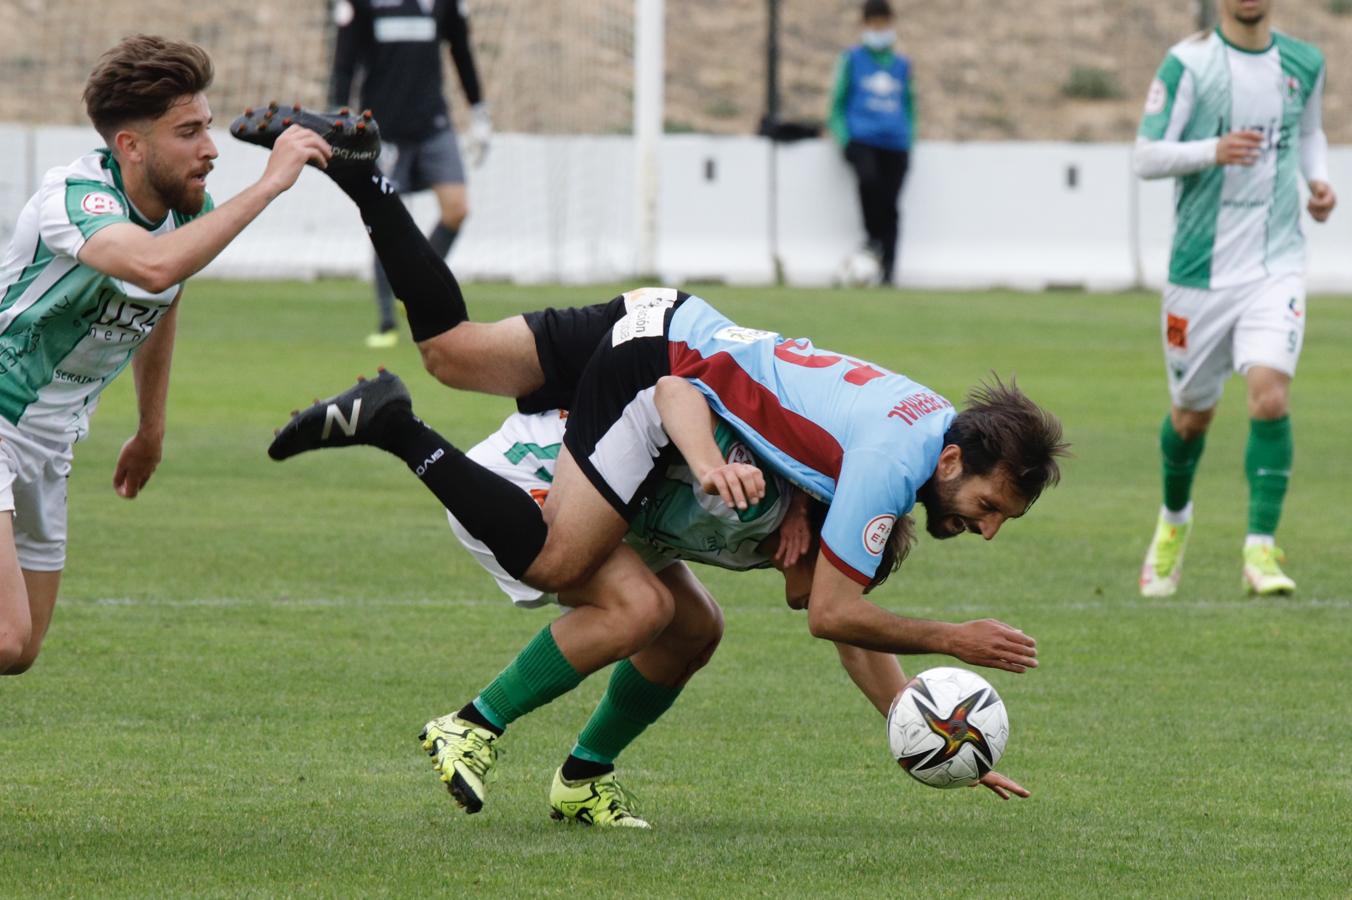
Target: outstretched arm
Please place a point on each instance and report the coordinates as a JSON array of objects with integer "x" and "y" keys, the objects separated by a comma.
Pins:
[
  {"x": 689, "y": 422},
  {"x": 838, "y": 611},
  {"x": 156, "y": 263}
]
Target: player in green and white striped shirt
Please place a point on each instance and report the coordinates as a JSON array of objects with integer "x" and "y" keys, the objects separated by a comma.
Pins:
[
  {"x": 1235, "y": 116},
  {"x": 91, "y": 282}
]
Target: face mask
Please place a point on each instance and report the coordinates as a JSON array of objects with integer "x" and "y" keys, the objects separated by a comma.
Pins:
[{"x": 879, "y": 40}]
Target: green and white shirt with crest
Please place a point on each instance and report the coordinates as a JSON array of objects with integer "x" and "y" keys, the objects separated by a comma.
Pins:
[
  {"x": 681, "y": 521},
  {"x": 66, "y": 330},
  {"x": 1235, "y": 224}
]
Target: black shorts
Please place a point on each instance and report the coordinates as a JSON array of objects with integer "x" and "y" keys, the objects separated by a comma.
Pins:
[
  {"x": 614, "y": 432},
  {"x": 566, "y": 339}
]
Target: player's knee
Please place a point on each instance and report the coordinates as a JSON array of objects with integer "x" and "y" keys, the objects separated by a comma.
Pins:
[
  {"x": 1191, "y": 424},
  {"x": 15, "y": 655},
  {"x": 644, "y": 612},
  {"x": 705, "y": 638},
  {"x": 440, "y": 359},
  {"x": 1268, "y": 403},
  {"x": 454, "y": 216},
  {"x": 557, "y": 568}
]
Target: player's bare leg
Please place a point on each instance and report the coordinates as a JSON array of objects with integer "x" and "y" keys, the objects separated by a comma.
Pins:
[
  {"x": 488, "y": 357},
  {"x": 583, "y": 528},
  {"x": 42, "y": 589},
  {"x": 615, "y": 614},
  {"x": 1267, "y": 465},
  {"x": 641, "y": 689},
  {"x": 453, "y": 200},
  {"x": 16, "y": 622}
]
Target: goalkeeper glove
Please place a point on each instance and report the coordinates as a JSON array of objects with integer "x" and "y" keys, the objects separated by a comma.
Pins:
[{"x": 480, "y": 134}]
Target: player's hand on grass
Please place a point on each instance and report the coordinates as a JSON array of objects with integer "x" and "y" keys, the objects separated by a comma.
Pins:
[
  {"x": 294, "y": 148},
  {"x": 135, "y": 464},
  {"x": 739, "y": 484},
  {"x": 1322, "y": 200},
  {"x": 1239, "y": 148},
  {"x": 1002, "y": 786},
  {"x": 993, "y": 644}
]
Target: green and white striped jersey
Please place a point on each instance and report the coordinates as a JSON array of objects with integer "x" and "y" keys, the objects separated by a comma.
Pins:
[
  {"x": 681, "y": 521},
  {"x": 66, "y": 330},
  {"x": 1235, "y": 224}
]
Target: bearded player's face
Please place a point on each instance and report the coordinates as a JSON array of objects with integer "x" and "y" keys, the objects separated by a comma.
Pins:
[
  {"x": 178, "y": 154},
  {"x": 1248, "y": 12}
]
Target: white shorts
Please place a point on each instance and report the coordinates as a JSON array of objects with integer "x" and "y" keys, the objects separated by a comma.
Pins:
[
  {"x": 33, "y": 473},
  {"x": 524, "y": 451},
  {"x": 1211, "y": 334}
]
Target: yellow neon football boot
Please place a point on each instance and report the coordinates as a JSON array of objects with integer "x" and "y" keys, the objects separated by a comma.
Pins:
[
  {"x": 1163, "y": 566},
  {"x": 382, "y": 340},
  {"x": 593, "y": 801},
  {"x": 464, "y": 754},
  {"x": 1262, "y": 574}
]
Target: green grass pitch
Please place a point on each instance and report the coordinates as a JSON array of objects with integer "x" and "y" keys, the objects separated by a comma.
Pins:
[{"x": 228, "y": 701}]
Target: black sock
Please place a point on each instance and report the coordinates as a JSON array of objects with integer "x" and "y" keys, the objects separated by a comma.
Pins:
[
  {"x": 384, "y": 299},
  {"x": 577, "y": 769},
  {"x": 470, "y": 713},
  {"x": 417, "y": 274},
  {"x": 490, "y": 507},
  {"x": 441, "y": 239}
]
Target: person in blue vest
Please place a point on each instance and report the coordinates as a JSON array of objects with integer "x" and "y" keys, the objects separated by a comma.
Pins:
[{"x": 873, "y": 118}]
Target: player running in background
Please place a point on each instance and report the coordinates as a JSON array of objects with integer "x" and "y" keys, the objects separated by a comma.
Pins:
[
  {"x": 93, "y": 272},
  {"x": 394, "y": 47},
  {"x": 1234, "y": 115}
]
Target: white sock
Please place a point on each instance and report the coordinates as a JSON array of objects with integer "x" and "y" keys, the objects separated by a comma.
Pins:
[
  {"x": 1181, "y": 517},
  {"x": 1259, "y": 540}
]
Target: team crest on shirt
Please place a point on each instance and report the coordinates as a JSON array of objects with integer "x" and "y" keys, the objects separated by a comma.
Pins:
[
  {"x": 1156, "y": 98},
  {"x": 738, "y": 453},
  {"x": 97, "y": 203},
  {"x": 1292, "y": 84},
  {"x": 876, "y": 533}
]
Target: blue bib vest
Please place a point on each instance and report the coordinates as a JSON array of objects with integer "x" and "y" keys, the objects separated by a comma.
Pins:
[{"x": 875, "y": 113}]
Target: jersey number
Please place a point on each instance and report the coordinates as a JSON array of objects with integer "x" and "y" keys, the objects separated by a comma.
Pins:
[{"x": 859, "y": 373}]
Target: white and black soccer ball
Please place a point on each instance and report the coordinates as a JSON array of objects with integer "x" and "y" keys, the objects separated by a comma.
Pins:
[
  {"x": 948, "y": 728},
  {"x": 860, "y": 269}
]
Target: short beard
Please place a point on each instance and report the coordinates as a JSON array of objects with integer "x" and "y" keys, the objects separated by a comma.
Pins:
[
  {"x": 1251, "y": 21},
  {"x": 176, "y": 193},
  {"x": 937, "y": 497}
]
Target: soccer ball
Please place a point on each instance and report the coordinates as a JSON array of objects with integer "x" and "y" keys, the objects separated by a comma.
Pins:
[
  {"x": 859, "y": 269},
  {"x": 948, "y": 728}
]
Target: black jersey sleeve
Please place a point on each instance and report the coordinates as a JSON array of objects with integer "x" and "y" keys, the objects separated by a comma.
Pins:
[
  {"x": 351, "y": 48},
  {"x": 454, "y": 26}
]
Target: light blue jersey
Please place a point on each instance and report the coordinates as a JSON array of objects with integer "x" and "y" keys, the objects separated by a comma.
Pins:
[{"x": 853, "y": 434}]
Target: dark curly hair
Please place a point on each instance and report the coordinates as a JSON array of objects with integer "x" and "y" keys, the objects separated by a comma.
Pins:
[{"x": 1000, "y": 427}]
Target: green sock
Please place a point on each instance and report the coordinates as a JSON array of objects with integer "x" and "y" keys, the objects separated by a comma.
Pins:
[
  {"x": 1267, "y": 463},
  {"x": 539, "y": 674},
  {"x": 631, "y": 703},
  {"x": 1180, "y": 464}
]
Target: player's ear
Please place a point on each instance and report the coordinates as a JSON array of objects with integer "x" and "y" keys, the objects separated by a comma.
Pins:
[
  {"x": 128, "y": 145},
  {"x": 950, "y": 463}
]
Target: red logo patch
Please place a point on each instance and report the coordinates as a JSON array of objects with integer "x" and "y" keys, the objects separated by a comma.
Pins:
[
  {"x": 1176, "y": 332},
  {"x": 100, "y": 204},
  {"x": 876, "y": 533}
]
